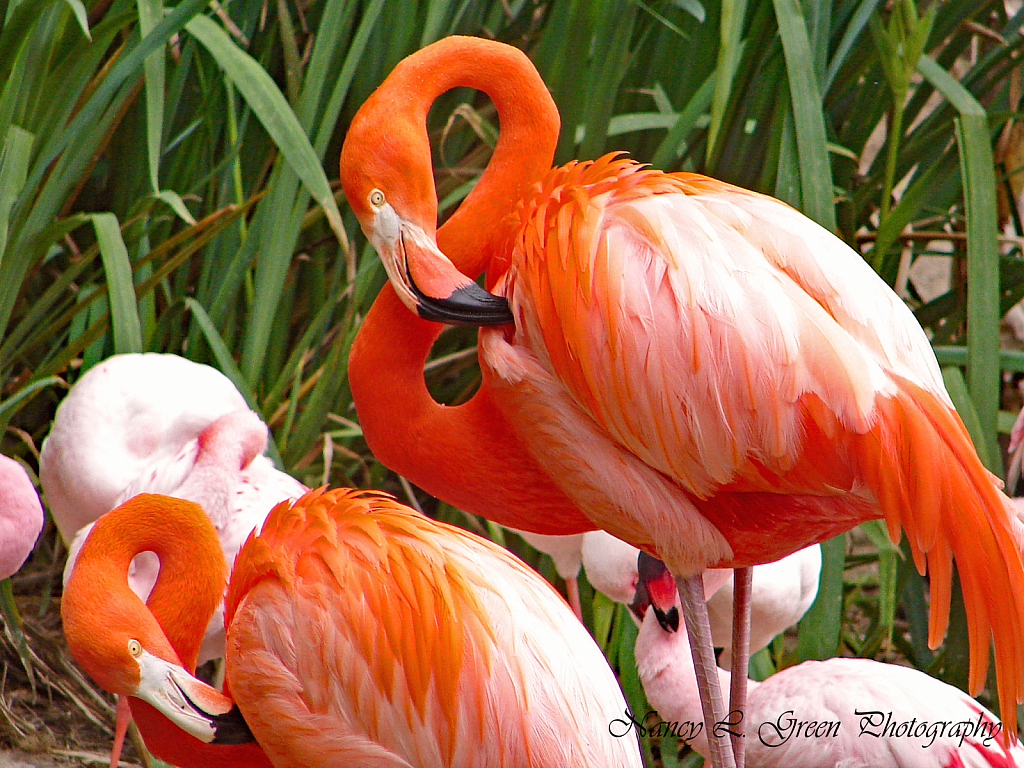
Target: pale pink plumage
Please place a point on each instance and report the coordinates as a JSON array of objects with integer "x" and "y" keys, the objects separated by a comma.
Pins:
[
  {"x": 160, "y": 424},
  {"x": 128, "y": 418},
  {"x": 781, "y": 593},
  {"x": 21, "y": 516},
  {"x": 827, "y": 692}
]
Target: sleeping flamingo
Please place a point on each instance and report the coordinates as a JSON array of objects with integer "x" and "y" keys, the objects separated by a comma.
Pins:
[
  {"x": 358, "y": 633},
  {"x": 127, "y": 418},
  {"x": 819, "y": 714},
  {"x": 698, "y": 369},
  {"x": 154, "y": 423}
]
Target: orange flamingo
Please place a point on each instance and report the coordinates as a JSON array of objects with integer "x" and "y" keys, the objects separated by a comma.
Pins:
[
  {"x": 358, "y": 633},
  {"x": 699, "y": 369}
]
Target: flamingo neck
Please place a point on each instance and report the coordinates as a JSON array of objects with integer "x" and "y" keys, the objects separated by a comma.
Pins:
[
  {"x": 192, "y": 574},
  {"x": 466, "y": 455},
  {"x": 528, "y": 134},
  {"x": 665, "y": 667}
]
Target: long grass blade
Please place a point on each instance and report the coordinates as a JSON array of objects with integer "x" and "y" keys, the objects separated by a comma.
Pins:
[
  {"x": 978, "y": 172},
  {"x": 269, "y": 106},
  {"x": 809, "y": 122},
  {"x": 120, "y": 289},
  {"x": 14, "y": 160}
]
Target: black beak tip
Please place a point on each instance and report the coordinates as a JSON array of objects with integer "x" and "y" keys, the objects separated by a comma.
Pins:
[
  {"x": 669, "y": 619},
  {"x": 231, "y": 728},
  {"x": 469, "y": 305}
]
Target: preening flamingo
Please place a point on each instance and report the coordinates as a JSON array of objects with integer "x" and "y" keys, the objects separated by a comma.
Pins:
[
  {"x": 780, "y": 595},
  {"x": 699, "y": 369},
  {"x": 854, "y": 713},
  {"x": 154, "y": 423},
  {"x": 358, "y": 633}
]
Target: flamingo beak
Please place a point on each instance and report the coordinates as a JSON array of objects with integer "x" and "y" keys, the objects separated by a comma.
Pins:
[
  {"x": 190, "y": 704},
  {"x": 656, "y": 588},
  {"x": 426, "y": 280}
]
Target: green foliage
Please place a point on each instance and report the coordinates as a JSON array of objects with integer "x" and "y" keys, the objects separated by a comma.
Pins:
[{"x": 164, "y": 186}]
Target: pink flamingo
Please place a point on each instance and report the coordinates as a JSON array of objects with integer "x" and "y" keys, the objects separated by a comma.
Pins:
[
  {"x": 781, "y": 592},
  {"x": 358, "y": 633},
  {"x": 818, "y": 714},
  {"x": 698, "y": 369},
  {"x": 160, "y": 424},
  {"x": 21, "y": 516},
  {"x": 21, "y": 520}
]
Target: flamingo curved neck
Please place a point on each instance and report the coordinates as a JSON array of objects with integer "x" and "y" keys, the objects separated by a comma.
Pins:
[
  {"x": 189, "y": 586},
  {"x": 529, "y": 125},
  {"x": 466, "y": 455},
  {"x": 192, "y": 574}
]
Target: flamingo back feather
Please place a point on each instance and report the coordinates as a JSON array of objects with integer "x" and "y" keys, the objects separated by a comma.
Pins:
[{"x": 406, "y": 639}]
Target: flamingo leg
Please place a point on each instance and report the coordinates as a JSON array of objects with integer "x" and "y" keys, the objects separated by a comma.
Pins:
[
  {"x": 122, "y": 720},
  {"x": 572, "y": 596},
  {"x": 742, "y": 583},
  {"x": 698, "y": 629}
]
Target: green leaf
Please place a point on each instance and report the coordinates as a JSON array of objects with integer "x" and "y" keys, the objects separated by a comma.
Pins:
[
  {"x": 808, "y": 116},
  {"x": 150, "y": 12},
  {"x": 14, "y": 160},
  {"x": 80, "y": 16},
  {"x": 172, "y": 199},
  {"x": 729, "y": 51},
  {"x": 120, "y": 288},
  {"x": 270, "y": 107},
  {"x": 978, "y": 172},
  {"x": 821, "y": 626}
]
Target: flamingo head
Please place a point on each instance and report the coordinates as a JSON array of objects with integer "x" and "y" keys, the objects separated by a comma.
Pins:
[
  {"x": 131, "y": 659},
  {"x": 656, "y": 589},
  {"x": 389, "y": 182}
]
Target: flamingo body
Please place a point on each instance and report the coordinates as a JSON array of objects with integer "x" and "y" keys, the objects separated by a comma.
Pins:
[
  {"x": 160, "y": 424},
  {"x": 506, "y": 676},
  {"x": 21, "y": 516},
  {"x": 127, "y": 418},
  {"x": 854, "y": 713},
  {"x": 361, "y": 633}
]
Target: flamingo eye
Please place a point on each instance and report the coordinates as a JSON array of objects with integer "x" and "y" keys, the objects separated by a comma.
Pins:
[
  {"x": 376, "y": 198},
  {"x": 135, "y": 648}
]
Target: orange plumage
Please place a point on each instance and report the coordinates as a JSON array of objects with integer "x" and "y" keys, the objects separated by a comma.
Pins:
[
  {"x": 358, "y": 628},
  {"x": 358, "y": 633}
]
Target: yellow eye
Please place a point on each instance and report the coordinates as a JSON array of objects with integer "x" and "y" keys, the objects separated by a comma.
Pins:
[
  {"x": 376, "y": 198},
  {"x": 135, "y": 648}
]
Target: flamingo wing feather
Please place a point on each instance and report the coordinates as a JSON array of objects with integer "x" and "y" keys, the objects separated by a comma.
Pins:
[{"x": 744, "y": 353}]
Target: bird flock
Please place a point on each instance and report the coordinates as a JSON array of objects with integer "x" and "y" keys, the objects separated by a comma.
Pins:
[{"x": 686, "y": 386}]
